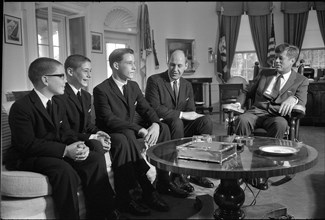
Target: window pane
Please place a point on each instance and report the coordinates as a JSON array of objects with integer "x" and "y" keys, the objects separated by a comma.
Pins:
[
  {"x": 43, "y": 51},
  {"x": 109, "y": 49},
  {"x": 55, "y": 26},
  {"x": 56, "y": 51},
  {"x": 243, "y": 65},
  {"x": 42, "y": 31}
]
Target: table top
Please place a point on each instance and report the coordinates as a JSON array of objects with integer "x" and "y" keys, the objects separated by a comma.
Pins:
[{"x": 249, "y": 162}]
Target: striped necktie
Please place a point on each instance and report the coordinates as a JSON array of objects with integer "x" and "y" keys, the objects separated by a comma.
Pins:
[{"x": 276, "y": 89}]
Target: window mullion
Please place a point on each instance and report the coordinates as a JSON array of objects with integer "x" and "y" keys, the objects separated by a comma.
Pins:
[{"x": 50, "y": 31}]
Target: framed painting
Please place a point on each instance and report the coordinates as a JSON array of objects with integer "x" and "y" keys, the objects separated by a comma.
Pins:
[
  {"x": 12, "y": 30},
  {"x": 187, "y": 45},
  {"x": 96, "y": 42}
]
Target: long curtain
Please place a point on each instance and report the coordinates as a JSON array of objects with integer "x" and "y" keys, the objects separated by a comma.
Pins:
[
  {"x": 260, "y": 29},
  {"x": 232, "y": 24},
  {"x": 321, "y": 22},
  {"x": 295, "y": 28},
  {"x": 295, "y": 21}
]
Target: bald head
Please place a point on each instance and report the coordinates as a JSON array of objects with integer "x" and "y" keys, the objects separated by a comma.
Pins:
[{"x": 177, "y": 64}]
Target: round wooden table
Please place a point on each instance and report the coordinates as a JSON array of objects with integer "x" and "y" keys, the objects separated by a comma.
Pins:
[{"x": 250, "y": 162}]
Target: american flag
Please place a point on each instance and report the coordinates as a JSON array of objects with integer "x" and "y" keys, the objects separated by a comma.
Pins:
[
  {"x": 271, "y": 47},
  {"x": 222, "y": 49},
  {"x": 145, "y": 39}
]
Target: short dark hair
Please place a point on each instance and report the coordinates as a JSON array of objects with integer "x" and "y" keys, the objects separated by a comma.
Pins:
[
  {"x": 117, "y": 55},
  {"x": 292, "y": 51},
  {"x": 74, "y": 61},
  {"x": 40, "y": 67}
]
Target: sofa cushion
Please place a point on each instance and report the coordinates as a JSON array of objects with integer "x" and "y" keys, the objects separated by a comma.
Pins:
[{"x": 24, "y": 184}]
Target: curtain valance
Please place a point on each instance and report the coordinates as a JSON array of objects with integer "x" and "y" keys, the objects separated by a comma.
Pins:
[
  {"x": 319, "y": 6},
  {"x": 230, "y": 8},
  {"x": 239, "y": 8},
  {"x": 295, "y": 7}
]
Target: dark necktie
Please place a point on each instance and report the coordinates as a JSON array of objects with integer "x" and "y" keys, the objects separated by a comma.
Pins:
[
  {"x": 82, "y": 114},
  {"x": 79, "y": 98},
  {"x": 49, "y": 108},
  {"x": 125, "y": 91},
  {"x": 276, "y": 89},
  {"x": 175, "y": 89}
]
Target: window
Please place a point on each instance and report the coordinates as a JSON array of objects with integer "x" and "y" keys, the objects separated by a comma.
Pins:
[
  {"x": 245, "y": 58},
  {"x": 312, "y": 51},
  {"x": 57, "y": 25},
  {"x": 243, "y": 65},
  {"x": 109, "y": 49},
  {"x": 313, "y": 57},
  {"x": 53, "y": 47}
]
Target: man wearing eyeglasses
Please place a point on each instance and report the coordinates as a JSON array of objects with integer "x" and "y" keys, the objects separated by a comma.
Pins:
[{"x": 44, "y": 143}]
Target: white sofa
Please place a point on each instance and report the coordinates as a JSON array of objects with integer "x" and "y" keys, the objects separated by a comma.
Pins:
[{"x": 27, "y": 195}]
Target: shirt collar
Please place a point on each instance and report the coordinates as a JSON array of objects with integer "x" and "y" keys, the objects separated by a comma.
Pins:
[
  {"x": 119, "y": 84},
  {"x": 43, "y": 98},
  {"x": 74, "y": 89},
  {"x": 172, "y": 80},
  {"x": 286, "y": 75}
]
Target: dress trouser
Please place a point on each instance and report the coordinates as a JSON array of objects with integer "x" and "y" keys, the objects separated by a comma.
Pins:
[
  {"x": 185, "y": 128},
  {"x": 129, "y": 166},
  {"x": 255, "y": 117},
  {"x": 65, "y": 175}
]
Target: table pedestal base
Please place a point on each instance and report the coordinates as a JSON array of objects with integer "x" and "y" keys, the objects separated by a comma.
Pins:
[{"x": 207, "y": 207}]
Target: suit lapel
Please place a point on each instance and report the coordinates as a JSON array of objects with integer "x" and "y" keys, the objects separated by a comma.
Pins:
[
  {"x": 117, "y": 91},
  {"x": 55, "y": 114},
  {"x": 268, "y": 80},
  {"x": 167, "y": 84},
  {"x": 72, "y": 96},
  {"x": 40, "y": 107},
  {"x": 181, "y": 94},
  {"x": 289, "y": 82}
]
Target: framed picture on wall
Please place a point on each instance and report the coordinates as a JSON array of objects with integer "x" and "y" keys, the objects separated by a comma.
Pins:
[
  {"x": 187, "y": 45},
  {"x": 96, "y": 42},
  {"x": 12, "y": 30}
]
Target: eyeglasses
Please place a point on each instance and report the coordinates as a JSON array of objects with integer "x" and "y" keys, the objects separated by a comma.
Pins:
[{"x": 62, "y": 75}]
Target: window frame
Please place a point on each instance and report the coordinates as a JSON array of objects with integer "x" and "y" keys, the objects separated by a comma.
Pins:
[{"x": 247, "y": 76}]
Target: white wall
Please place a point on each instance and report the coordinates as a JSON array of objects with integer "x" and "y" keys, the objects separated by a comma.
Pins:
[
  {"x": 186, "y": 20},
  {"x": 14, "y": 74}
]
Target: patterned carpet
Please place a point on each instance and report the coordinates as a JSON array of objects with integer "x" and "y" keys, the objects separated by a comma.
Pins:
[{"x": 303, "y": 196}]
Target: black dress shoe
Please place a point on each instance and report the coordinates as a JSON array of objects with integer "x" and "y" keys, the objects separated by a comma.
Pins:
[
  {"x": 258, "y": 183},
  {"x": 155, "y": 202},
  {"x": 171, "y": 189},
  {"x": 186, "y": 184},
  {"x": 202, "y": 181},
  {"x": 116, "y": 215},
  {"x": 135, "y": 208},
  {"x": 182, "y": 182}
]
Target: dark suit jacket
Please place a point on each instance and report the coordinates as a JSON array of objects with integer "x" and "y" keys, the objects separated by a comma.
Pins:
[
  {"x": 160, "y": 95},
  {"x": 296, "y": 85},
  {"x": 75, "y": 112},
  {"x": 115, "y": 113},
  {"x": 33, "y": 132}
]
